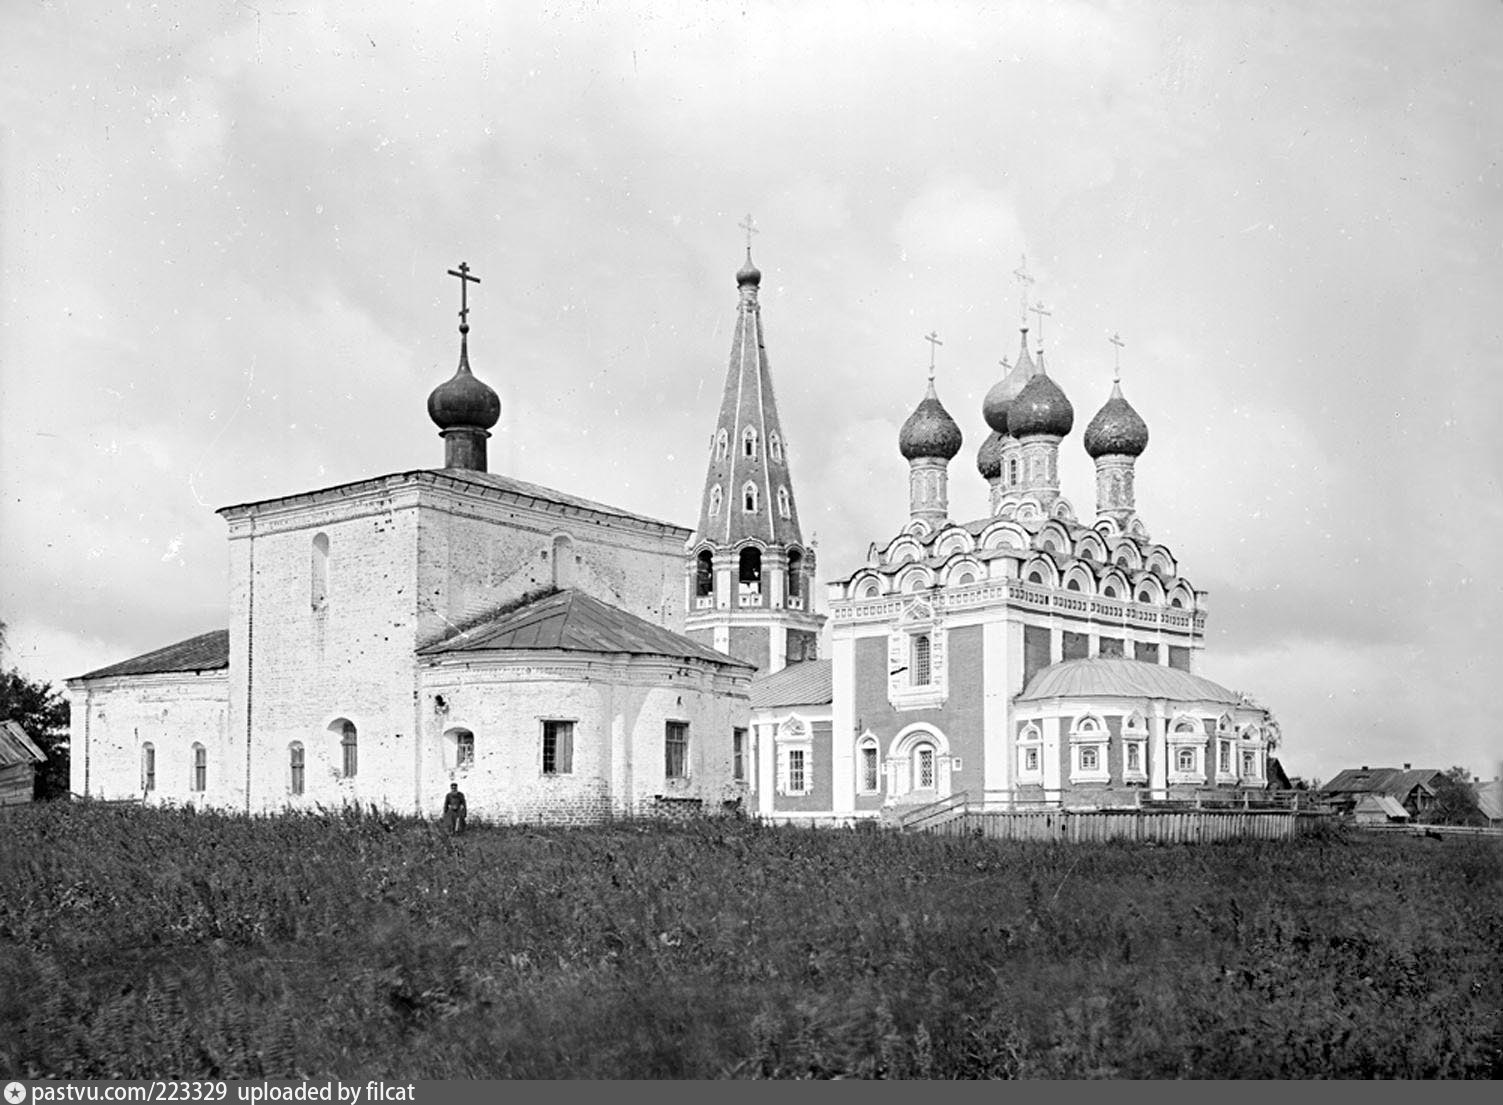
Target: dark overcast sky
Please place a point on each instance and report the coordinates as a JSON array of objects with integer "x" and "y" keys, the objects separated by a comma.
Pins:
[{"x": 226, "y": 225}]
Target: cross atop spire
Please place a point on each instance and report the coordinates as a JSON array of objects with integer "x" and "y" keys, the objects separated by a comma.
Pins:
[
  {"x": 1116, "y": 340},
  {"x": 1025, "y": 282},
  {"x": 465, "y": 280},
  {"x": 750, "y": 227},
  {"x": 932, "y": 337},
  {"x": 1043, "y": 313}
]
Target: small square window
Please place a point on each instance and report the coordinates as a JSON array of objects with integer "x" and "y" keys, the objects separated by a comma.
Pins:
[{"x": 558, "y": 747}]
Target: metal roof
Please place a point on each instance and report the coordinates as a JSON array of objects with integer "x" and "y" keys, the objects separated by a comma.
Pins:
[
  {"x": 16, "y": 747},
  {"x": 1489, "y": 797},
  {"x": 505, "y": 484},
  {"x": 572, "y": 621},
  {"x": 804, "y": 684},
  {"x": 1114, "y": 678},
  {"x": 1394, "y": 781},
  {"x": 206, "y": 652}
]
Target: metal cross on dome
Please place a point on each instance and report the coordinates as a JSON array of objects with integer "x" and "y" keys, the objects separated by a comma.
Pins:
[
  {"x": 1043, "y": 313},
  {"x": 932, "y": 337},
  {"x": 1116, "y": 340},
  {"x": 465, "y": 280},
  {"x": 1025, "y": 282},
  {"x": 750, "y": 227}
]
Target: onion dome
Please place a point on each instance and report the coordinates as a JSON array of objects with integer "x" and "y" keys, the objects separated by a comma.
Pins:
[
  {"x": 994, "y": 407},
  {"x": 748, "y": 273},
  {"x": 1040, "y": 408},
  {"x": 1117, "y": 429},
  {"x": 929, "y": 431},
  {"x": 462, "y": 400},
  {"x": 989, "y": 456}
]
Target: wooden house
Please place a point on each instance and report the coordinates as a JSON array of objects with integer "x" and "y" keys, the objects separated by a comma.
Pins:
[{"x": 19, "y": 757}]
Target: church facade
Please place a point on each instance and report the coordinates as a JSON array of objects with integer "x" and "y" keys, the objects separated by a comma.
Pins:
[
  {"x": 392, "y": 636},
  {"x": 1028, "y": 659},
  {"x": 563, "y": 660}
]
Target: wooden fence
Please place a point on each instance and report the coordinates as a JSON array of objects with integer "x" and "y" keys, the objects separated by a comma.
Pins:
[{"x": 1158, "y": 826}]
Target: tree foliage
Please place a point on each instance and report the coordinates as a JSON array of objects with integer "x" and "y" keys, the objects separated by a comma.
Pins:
[
  {"x": 43, "y": 713},
  {"x": 1455, "y": 801}
]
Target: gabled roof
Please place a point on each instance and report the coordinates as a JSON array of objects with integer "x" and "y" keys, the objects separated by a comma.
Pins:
[
  {"x": 1386, "y": 804},
  {"x": 16, "y": 747},
  {"x": 1489, "y": 797},
  {"x": 206, "y": 652},
  {"x": 1112, "y": 678},
  {"x": 1394, "y": 781},
  {"x": 804, "y": 684},
  {"x": 572, "y": 621}
]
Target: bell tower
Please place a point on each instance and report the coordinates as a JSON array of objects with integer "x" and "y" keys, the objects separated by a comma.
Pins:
[{"x": 749, "y": 574}]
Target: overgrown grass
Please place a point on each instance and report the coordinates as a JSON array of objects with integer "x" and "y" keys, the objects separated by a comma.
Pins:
[{"x": 147, "y": 943}]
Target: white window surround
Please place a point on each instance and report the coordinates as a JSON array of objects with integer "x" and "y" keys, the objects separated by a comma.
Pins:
[
  {"x": 1089, "y": 739},
  {"x": 902, "y": 692},
  {"x": 794, "y": 734},
  {"x": 1031, "y": 742},
  {"x": 868, "y": 745},
  {"x": 1131, "y": 774},
  {"x": 1196, "y": 746}
]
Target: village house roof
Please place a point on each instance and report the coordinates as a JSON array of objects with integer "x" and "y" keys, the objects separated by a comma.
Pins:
[
  {"x": 1394, "y": 781},
  {"x": 16, "y": 747},
  {"x": 804, "y": 684},
  {"x": 1489, "y": 798},
  {"x": 1385, "y": 804},
  {"x": 206, "y": 652},
  {"x": 1113, "y": 678},
  {"x": 572, "y": 621}
]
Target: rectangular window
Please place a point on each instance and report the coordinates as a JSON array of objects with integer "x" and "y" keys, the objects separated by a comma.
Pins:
[
  {"x": 1088, "y": 759},
  {"x": 1031, "y": 759},
  {"x": 1148, "y": 653},
  {"x": 1185, "y": 760},
  {"x": 921, "y": 660},
  {"x": 1224, "y": 759},
  {"x": 1247, "y": 763},
  {"x": 1110, "y": 648},
  {"x": 464, "y": 748},
  {"x": 738, "y": 755},
  {"x": 676, "y": 750},
  {"x": 926, "y": 768},
  {"x": 1134, "y": 758},
  {"x": 200, "y": 767},
  {"x": 796, "y": 771},
  {"x": 558, "y": 747},
  {"x": 295, "y": 768},
  {"x": 869, "y": 774},
  {"x": 148, "y": 768},
  {"x": 1179, "y": 657},
  {"x": 1074, "y": 646}
]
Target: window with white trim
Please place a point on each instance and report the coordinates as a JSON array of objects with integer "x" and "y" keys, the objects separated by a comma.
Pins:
[
  {"x": 738, "y": 754},
  {"x": 722, "y": 445},
  {"x": 715, "y": 497},
  {"x": 920, "y": 668},
  {"x": 749, "y": 442},
  {"x": 775, "y": 446},
  {"x": 795, "y": 757},
  {"x": 868, "y": 766},
  {"x": 749, "y": 498},
  {"x": 797, "y": 780},
  {"x": 785, "y": 508},
  {"x": 1030, "y": 755}
]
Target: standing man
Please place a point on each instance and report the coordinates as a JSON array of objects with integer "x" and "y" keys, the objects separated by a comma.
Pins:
[{"x": 454, "y": 809}]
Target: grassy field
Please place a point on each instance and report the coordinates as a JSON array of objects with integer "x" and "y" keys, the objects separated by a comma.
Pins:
[{"x": 142, "y": 943}]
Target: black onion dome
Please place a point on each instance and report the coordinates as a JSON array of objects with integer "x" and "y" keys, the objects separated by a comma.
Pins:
[
  {"x": 995, "y": 406},
  {"x": 1117, "y": 429},
  {"x": 989, "y": 456},
  {"x": 929, "y": 431},
  {"x": 1040, "y": 408},
  {"x": 748, "y": 273},
  {"x": 462, "y": 400}
]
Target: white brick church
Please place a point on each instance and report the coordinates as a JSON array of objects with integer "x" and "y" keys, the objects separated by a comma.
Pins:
[{"x": 565, "y": 660}]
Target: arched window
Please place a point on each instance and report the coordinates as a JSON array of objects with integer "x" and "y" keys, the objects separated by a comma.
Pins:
[
  {"x": 785, "y": 507},
  {"x": 319, "y": 573},
  {"x": 1186, "y": 725},
  {"x": 1177, "y": 603},
  {"x": 920, "y": 664},
  {"x": 1073, "y": 585},
  {"x": 775, "y": 446},
  {"x": 749, "y": 441},
  {"x": 563, "y": 562},
  {"x": 148, "y": 768},
  {"x": 749, "y": 498},
  {"x": 795, "y": 573},
  {"x": 200, "y": 778},
  {"x": 749, "y": 570},
  {"x": 870, "y": 590},
  {"x": 1145, "y": 596},
  {"x": 868, "y": 766},
  {"x": 295, "y": 767},
  {"x": 722, "y": 444},
  {"x": 965, "y": 578},
  {"x": 704, "y": 574},
  {"x": 714, "y": 500},
  {"x": 1109, "y": 592},
  {"x": 461, "y": 744},
  {"x": 349, "y": 746},
  {"x": 923, "y": 767},
  {"x": 1035, "y": 577}
]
